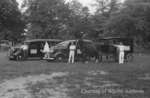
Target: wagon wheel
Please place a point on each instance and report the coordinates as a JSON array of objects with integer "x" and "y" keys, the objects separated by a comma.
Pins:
[
  {"x": 111, "y": 56},
  {"x": 108, "y": 57},
  {"x": 100, "y": 58},
  {"x": 129, "y": 57}
]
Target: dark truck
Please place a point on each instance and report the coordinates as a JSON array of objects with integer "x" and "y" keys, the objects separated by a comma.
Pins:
[
  {"x": 35, "y": 47},
  {"x": 86, "y": 47}
]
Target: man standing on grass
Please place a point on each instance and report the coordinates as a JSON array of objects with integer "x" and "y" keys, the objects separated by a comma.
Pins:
[
  {"x": 24, "y": 48},
  {"x": 72, "y": 49},
  {"x": 121, "y": 52}
]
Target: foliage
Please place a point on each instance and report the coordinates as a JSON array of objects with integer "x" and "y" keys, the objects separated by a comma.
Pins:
[
  {"x": 56, "y": 19},
  {"x": 133, "y": 20},
  {"x": 11, "y": 24},
  {"x": 104, "y": 10},
  {"x": 59, "y": 19},
  {"x": 47, "y": 18},
  {"x": 107, "y": 7}
]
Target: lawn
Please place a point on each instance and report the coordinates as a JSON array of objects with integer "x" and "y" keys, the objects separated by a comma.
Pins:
[{"x": 42, "y": 79}]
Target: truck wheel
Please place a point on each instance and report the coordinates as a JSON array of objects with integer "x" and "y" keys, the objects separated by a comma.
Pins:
[
  {"x": 60, "y": 58},
  {"x": 11, "y": 59},
  {"x": 19, "y": 58}
]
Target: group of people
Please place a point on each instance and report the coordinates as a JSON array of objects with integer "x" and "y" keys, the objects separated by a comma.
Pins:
[
  {"x": 120, "y": 52},
  {"x": 73, "y": 48}
]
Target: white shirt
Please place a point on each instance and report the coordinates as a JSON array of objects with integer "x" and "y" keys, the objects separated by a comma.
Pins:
[
  {"x": 123, "y": 48},
  {"x": 24, "y": 47},
  {"x": 72, "y": 47}
]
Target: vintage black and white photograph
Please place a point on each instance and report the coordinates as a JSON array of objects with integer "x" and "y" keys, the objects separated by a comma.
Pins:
[{"x": 74, "y": 48}]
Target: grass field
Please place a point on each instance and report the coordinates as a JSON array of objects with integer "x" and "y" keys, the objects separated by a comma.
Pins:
[{"x": 42, "y": 79}]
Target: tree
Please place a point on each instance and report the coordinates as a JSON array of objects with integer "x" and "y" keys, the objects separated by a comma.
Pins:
[
  {"x": 48, "y": 18},
  {"x": 120, "y": 25},
  {"x": 57, "y": 19},
  {"x": 104, "y": 10},
  {"x": 80, "y": 23},
  {"x": 133, "y": 20},
  {"x": 11, "y": 23},
  {"x": 107, "y": 7}
]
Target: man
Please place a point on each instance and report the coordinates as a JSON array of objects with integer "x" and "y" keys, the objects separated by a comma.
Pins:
[
  {"x": 79, "y": 48},
  {"x": 121, "y": 49},
  {"x": 72, "y": 49},
  {"x": 24, "y": 48}
]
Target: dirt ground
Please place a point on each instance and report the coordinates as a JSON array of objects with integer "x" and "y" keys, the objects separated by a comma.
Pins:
[{"x": 42, "y": 79}]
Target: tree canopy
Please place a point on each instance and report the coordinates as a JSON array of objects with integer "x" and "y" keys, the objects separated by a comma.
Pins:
[
  {"x": 132, "y": 20},
  {"x": 56, "y": 19},
  {"x": 11, "y": 23},
  {"x": 68, "y": 20}
]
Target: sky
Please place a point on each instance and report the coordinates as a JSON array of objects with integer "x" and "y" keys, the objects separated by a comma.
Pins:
[
  {"x": 84, "y": 2},
  {"x": 19, "y": 2},
  {"x": 88, "y": 3}
]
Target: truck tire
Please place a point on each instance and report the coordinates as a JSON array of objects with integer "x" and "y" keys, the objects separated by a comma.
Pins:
[{"x": 60, "y": 58}]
